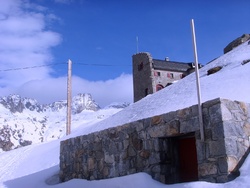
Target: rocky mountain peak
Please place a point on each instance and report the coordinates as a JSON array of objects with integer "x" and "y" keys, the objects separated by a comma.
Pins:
[
  {"x": 82, "y": 102},
  {"x": 15, "y": 103}
]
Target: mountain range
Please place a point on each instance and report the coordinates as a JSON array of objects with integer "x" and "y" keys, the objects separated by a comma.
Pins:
[{"x": 23, "y": 121}]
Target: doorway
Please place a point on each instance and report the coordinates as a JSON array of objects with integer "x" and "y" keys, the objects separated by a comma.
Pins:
[
  {"x": 179, "y": 158},
  {"x": 187, "y": 154}
]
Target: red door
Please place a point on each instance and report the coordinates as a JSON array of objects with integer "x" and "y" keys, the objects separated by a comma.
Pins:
[{"x": 188, "y": 160}]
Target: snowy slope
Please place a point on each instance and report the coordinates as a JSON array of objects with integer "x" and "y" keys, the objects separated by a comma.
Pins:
[
  {"x": 37, "y": 165},
  {"x": 231, "y": 82}
]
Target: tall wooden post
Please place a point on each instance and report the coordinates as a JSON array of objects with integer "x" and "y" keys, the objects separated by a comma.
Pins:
[
  {"x": 197, "y": 82},
  {"x": 69, "y": 91}
]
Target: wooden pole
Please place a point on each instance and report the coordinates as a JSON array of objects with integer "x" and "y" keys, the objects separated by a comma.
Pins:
[
  {"x": 69, "y": 91},
  {"x": 197, "y": 82}
]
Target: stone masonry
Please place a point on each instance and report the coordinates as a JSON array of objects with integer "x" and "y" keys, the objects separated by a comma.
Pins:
[{"x": 148, "y": 145}]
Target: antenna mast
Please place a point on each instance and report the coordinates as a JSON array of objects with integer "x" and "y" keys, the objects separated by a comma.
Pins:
[{"x": 137, "y": 44}]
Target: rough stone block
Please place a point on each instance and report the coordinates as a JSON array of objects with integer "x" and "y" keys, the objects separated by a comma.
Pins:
[
  {"x": 169, "y": 116},
  {"x": 246, "y": 128},
  {"x": 233, "y": 129},
  {"x": 109, "y": 158},
  {"x": 222, "y": 179},
  {"x": 91, "y": 164},
  {"x": 223, "y": 165},
  {"x": 131, "y": 151},
  {"x": 157, "y": 131},
  {"x": 144, "y": 154},
  {"x": 215, "y": 114},
  {"x": 206, "y": 169},
  {"x": 217, "y": 131},
  {"x": 232, "y": 163},
  {"x": 217, "y": 148},
  {"x": 156, "y": 120},
  {"x": 173, "y": 128},
  {"x": 201, "y": 151},
  {"x": 231, "y": 146},
  {"x": 190, "y": 125}
]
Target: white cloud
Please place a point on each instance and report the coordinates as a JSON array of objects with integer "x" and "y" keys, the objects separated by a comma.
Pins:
[
  {"x": 119, "y": 89},
  {"x": 104, "y": 92},
  {"x": 26, "y": 42}
]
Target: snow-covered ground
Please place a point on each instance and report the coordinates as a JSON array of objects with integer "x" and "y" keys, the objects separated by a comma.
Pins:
[{"x": 37, "y": 166}]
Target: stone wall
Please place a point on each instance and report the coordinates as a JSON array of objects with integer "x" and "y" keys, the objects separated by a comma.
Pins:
[{"x": 150, "y": 146}]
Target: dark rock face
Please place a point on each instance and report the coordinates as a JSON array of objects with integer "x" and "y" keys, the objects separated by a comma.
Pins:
[
  {"x": 17, "y": 104},
  {"x": 13, "y": 103},
  {"x": 236, "y": 42},
  {"x": 5, "y": 142}
]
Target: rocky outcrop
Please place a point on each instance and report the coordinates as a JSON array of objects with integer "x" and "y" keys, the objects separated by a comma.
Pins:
[{"x": 236, "y": 42}]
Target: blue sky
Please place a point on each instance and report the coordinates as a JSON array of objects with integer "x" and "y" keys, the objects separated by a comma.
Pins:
[{"x": 100, "y": 39}]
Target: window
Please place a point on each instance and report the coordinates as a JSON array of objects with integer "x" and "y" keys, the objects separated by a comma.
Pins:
[
  {"x": 157, "y": 73},
  {"x": 170, "y": 75},
  {"x": 140, "y": 66},
  {"x": 182, "y": 76},
  {"x": 159, "y": 87}
]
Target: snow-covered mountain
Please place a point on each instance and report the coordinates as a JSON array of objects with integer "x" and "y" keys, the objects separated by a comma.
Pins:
[
  {"x": 79, "y": 103},
  {"x": 24, "y": 121}
]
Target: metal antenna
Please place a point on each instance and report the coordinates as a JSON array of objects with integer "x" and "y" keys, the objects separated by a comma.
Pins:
[{"x": 137, "y": 44}]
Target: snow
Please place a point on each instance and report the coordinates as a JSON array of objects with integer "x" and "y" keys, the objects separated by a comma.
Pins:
[{"x": 38, "y": 165}]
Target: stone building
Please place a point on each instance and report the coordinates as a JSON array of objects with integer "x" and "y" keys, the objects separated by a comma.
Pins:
[
  {"x": 151, "y": 75},
  {"x": 167, "y": 146}
]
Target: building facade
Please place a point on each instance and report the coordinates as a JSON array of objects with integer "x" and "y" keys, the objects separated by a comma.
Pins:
[{"x": 151, "y": 75}]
